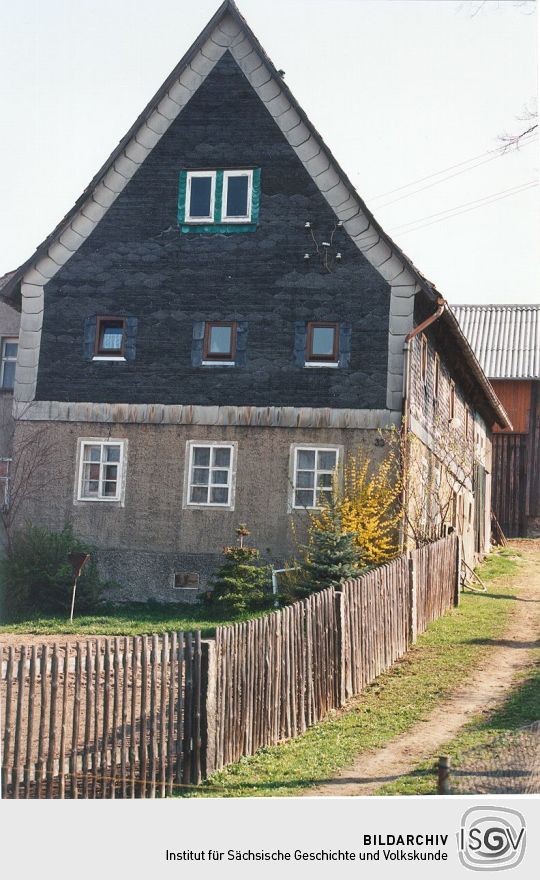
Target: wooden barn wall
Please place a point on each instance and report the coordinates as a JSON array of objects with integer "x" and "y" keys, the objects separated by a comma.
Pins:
[
  {"x": 533, "y": 458},
  {"x": 510, "y": 482},
  {"x": 515, "y": 396},
  {"x": 516, "y": 460}
]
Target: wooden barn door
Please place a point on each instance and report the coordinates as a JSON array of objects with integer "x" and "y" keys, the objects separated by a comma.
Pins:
[
  {"x": 510, "y": 482},
  {"x": 479, "y": 508}
]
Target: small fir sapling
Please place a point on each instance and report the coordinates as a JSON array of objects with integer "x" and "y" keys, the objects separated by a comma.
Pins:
[{"x": 240, "y": 584}]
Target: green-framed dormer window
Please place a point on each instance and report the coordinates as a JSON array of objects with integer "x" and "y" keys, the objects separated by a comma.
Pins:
[{"x": 219, "y": 200}]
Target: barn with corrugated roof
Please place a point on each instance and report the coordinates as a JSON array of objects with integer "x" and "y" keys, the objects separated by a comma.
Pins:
[{"x": 506, "y": 341}]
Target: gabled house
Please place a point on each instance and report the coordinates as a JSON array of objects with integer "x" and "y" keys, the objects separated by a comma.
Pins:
[
  {"x": 217, "y": 323},
  {"x": 506, "y": 340}
]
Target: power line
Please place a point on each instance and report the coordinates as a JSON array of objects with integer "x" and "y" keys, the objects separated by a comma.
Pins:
[
  {"x": 482, "y": 199},
  {"x": 436, "y": 182},
  {"x": 514, "y": 192},
  {"x": 487, "y": 156},
  {"x": 455, "y": 211}
]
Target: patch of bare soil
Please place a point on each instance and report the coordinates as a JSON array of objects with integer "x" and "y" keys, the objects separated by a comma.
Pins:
[
  {"x": 485, "y": 690},
  {"x": 17, "y": 639}
]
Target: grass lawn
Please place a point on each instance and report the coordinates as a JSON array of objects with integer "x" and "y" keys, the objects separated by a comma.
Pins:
[
  {"x": 128, "y": 620},
  {"x": 392, "y": 704}
]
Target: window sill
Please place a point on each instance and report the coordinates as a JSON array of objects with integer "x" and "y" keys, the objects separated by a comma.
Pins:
[
  {"x": 331, "y": 364},
  {"x": 190, "y": 506},
  {"x": 104, "y": 357},
  {"x": 218, "y": 364},
  {"x": 99, "y": 500},
  {"x": 222, "y": 228}
]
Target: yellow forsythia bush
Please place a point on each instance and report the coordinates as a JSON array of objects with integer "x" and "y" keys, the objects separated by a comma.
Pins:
[{"x": 369, "y": 504}]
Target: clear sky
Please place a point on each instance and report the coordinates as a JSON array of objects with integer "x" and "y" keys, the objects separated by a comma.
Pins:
[{"x": 399, "y": 89}]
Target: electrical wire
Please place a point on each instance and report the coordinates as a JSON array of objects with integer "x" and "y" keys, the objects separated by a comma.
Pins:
[
  {"x": 436, "y": 183},
  {"x": 457, "y": 213},
  {"x": 487, "y": 156},
  {"x": 500, "y": 192}
]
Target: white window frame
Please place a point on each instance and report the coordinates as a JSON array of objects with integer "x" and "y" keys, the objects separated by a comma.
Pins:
[
  {"x": 4, "y": 502},
  {"x": 231, "y": 484},
  {"x": 5, "y": 359},
  {"x": 237, "y": 172},
  {"x": 117, "y": 499},
  {"x": 189, "y": 177},
  {"x": 310, "y": 447}
]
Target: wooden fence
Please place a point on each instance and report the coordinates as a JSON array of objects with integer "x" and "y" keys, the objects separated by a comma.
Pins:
[
  {"x": 137, "y": 717},
  {"x": 278, "y": 675},
  {"x": 104, "y": 718}
]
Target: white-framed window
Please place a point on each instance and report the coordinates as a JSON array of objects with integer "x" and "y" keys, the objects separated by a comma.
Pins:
[
  {"x": 210, "y": 476},
  {"x": 200, "y": 196},
  {"x": 313, "y": 473},
  {"x": 101, "y": 470},
  {"x": 4, "y": 481},
  {"x": 10, "y": 347},
  {"x": 237, "y": 196}
]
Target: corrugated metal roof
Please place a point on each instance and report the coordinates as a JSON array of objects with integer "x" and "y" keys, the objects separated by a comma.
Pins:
[{"x": 505, "y": 339}]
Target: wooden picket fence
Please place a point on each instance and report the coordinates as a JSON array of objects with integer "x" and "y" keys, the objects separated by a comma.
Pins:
[
  {"x": 117, "y": 717},
  {"x": 139, "y": 717}
]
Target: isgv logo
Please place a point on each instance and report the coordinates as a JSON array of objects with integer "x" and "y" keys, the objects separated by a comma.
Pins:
[{"x": 491, "y": 838}]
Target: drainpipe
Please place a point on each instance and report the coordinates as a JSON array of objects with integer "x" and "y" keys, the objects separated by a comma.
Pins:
[
  {"x": 405, "y": 413},
  {"x": 441, "y": 306}
]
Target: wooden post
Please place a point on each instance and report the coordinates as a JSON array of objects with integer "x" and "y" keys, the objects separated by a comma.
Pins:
[
  {"x": 458, "y": 572},
  {"x": 208, "y": 708},
  {"x": 443, "y": 775},
  {"x": 342, "y": 658},
  {"x": 413, "y": 625}
]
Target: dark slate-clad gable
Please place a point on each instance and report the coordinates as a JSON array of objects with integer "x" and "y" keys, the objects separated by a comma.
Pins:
[{"x": 137, "y": 262}]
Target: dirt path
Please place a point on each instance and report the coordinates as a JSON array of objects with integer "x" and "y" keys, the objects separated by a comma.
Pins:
[{"x": 490, "y": 685}]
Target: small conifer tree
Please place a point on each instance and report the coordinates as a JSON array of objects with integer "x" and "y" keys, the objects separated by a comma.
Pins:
[
  {"x": 331, "y": 556},
  {"x": 240, "y": 584}
]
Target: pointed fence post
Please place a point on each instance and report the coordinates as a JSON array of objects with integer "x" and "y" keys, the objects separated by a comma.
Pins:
[
  {"x": 458, "y": 571},
  {"x": 340, "y": 600},
  {"x": 413, "y": 622},
  {"x": 208, "y": 708}
]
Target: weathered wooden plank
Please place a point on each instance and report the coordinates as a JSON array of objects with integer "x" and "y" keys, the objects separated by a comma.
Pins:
[
  {"x": 152, "y": 748},
  {"x": 143, "y": 744},
  {"x": 63, "y": 725},
  {"x": 21, "y": 682},
  {"x": 51, "y": 755},
  {"x": 123, "y": 730},
  {"x": 30, "y": 720},
  {"x": 115, "y": 713},
  {"x": 166, "y": 665},
  {"x": 105, "y": 768},
  {"x": 188, "y": 710},
  {"x": 134, "y": 745},
  {"x": 75, "y": 725},
  {"x": 171, "y": 745},
  {"x": 43, "y": 713}
]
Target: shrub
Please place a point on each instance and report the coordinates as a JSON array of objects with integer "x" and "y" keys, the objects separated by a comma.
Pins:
[
  {"x": 330, "y": 556},
  {"x": 37, "y": 577},
  {"x": 240, "y": 584}
]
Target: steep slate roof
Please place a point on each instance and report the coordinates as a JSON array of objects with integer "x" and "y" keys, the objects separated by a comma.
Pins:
[
  {"x": 340, "y": 193},
  {"x": 505, "y": 338}
]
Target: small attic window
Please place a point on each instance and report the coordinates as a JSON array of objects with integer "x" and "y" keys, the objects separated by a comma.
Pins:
[
  {"x": 200, "y": 196},
  {"x": 236, "y": 201},
  {"x": 217, "y": 200}
]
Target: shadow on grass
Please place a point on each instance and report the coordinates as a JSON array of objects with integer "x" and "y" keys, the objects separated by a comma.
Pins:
[
  {"x": 506, "y": 643},
  {"x": 507, "y": 596}
]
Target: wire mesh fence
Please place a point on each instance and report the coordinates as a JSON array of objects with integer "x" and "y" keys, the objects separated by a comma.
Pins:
[{"x": 509, "y": 764}]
